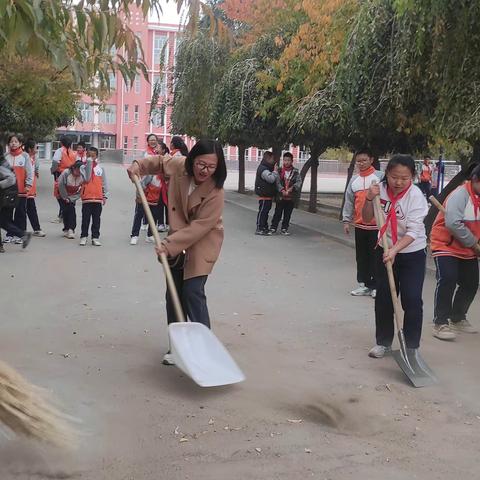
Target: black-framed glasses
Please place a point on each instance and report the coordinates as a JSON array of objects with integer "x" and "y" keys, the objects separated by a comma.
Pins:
[{"x": 203, "y": 166}]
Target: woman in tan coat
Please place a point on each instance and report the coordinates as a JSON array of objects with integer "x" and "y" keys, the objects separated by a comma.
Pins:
[{"x": 195, "y": 207}]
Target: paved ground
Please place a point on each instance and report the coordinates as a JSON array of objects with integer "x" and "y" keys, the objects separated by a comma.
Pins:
[{"x": 89, "y": 324}]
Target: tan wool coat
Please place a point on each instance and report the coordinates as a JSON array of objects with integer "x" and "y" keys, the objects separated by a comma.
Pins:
[{"x": 195, "y": 220}]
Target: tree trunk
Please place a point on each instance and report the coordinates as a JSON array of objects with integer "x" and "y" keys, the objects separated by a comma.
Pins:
[
  {"x": 241, "y": 168},
  {"x": 312, "y": 203},
  {"x": 456, "y": 181},
  {"x": 351, "y": 169},
  {"x": 277, "y": 152}
]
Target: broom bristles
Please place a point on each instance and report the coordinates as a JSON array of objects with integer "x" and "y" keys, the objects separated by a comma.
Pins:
[{"x": 25, "y": 410}]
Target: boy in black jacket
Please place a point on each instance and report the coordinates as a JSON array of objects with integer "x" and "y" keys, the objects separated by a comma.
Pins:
[
  {"x": 266, "y": 189},
  {"x": 289, "y": 185}
]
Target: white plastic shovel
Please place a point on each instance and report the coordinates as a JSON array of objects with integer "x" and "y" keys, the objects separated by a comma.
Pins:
[{"x": 193, "y": 346}]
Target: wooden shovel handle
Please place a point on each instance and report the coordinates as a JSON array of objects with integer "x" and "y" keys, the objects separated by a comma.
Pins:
[
  {"x": 436, "y": 203},
  {"x": 163, "y": 258},
  {"x": 377, "y": 208}
]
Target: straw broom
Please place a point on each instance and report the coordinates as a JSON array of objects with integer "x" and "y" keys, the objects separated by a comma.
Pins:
[{"x": 25, "y": 410}]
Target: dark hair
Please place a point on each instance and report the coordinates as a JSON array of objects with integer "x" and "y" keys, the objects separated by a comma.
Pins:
[
  {"x": 65, "y": 141},
  {"x": 94, "y": 150},
  {"x": 179, "y": 144},
  {"x": 29, "y": 144},
  {"x": 81, "y": 144},
  {"x": 151, "y": 135},
  {"x": 15, "y": 135},
  {"x": 364, "y": 151},
  {"x": 205, "y": 147},
  {"x": 267, "y": 155},
  {"x": 164, "y": 147},
  {"x": 427, "y": 156},
  {"x": 288, "y": 154},
  {"x": 404, "y": 161},
  {"x": 77, "y": 164},
  {"x": 475, "y": 172}
]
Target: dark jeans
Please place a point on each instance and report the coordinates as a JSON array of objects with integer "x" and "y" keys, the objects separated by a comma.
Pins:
[
  {"x": 20, "y": 215},
  {"x": 365, "y": 243},
  {"x": 33, "y": 215},
  {"x": 69, "y": 216},
  {"x": 140, "y": 214},
  {"x": 426, "y": 188},
  {"x": 284, "y": 207},
  {"x": 91, "y": 211},
  {"x": 452, "y": 271},
  {"x": 264, "y": 207},
  {"x": 409, "y": 272},
  {"x": 192, "y": 297},
  {"x": 60, "y": 207},
  {"x": 6, "y": 222}
]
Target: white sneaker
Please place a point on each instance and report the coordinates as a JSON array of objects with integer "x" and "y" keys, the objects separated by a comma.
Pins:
[
  {"x": 39, "y": 233},
  {"x": 463, "y": 326},
  {"x": 133, "y": 240},
  {"x": 361, "y": 291},
  {"x": 56, "y": 220},
  {"x": 162, "y": 228},
  {"x": 443, "y": 332},
  {"x": 150, "y": 239},
  {"x": 70, "y": 235},
  {"x": 379, "y": 351},
  {"x": 144, "y": 227},
  {"x": 8, "y": 239},
  {"x": 17, "y": 240},
  {"x": 373, "y": 292},
  {"x": 168, "y": 359},
  {"x": 96, "y": 242},
  {"x": 83, "y": 241}
]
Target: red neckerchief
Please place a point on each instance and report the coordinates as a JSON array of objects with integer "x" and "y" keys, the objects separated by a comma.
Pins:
[
  {"x": 151, "y": 151},
  {"x": 283, "y": 171},
  {"x": 474, "y": 197},
  {"x": 367, "y": 172},
  {"x": 392, "y": 215},
  {"x": 16, "y": 152}
]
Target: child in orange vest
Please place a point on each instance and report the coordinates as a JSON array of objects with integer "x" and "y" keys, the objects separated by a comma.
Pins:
[
  {"x": 454, "y": 241},
  {"x": 20, "y": 163},
  {"x": 63, "y": 158},
  {"x": 31, "y": 149},
  {"x": 94, "y": 195},
  {"x": 426, "y": 172},
  {"x": 155, "y": 188},
  {"x": 365, "y": 232}
]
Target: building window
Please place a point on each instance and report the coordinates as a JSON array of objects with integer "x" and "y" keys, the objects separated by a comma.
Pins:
[
  {"x": 107, "y": 142},
  {"x": 137, "y": 84},
  {"x": 135, "y": 143},
  {"x": 159, "y": 42},
  {"x": 108, "y": 114},
  {"x": 136, "y": 114},
  {"x": 112, "y": 81},
  {"x": 86, "y": 112},
  {"x": 158, "y": 117},
  {"x": 125, "y": 143},
  {"x": 125, "y": 114},
  {"x": 42, "y": 150},
  {"x": 161, "y": 80}
]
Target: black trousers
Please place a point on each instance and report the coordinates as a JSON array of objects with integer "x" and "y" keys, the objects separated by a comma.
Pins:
[
  {"x": 192, "y": 297},
  {"x": 409, "y": 272},
  {"x": 140, "y": 214},
  {"x": 264, "y": 207},
  {"x": 91, "y": 211},
  {"x": 365, "y": 243},
  {"x": 426, "y": 188},
  {"x": 69, "y": 216},
  {"x": 6, "y": 222},
  {"x": 20, "y": 215},
  {"x": 60, "y": 207},
  {"x": 285, "y": 208},
  {"x": 33, "y": 214},
  {"x": 451, "y": 302},
  {"x": 163, "y": 212}
]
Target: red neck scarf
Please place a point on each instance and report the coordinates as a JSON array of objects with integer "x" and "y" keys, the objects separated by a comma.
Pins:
[
  {"x": 474, "y": 197},
  {"x": 16, "y": 151},
  {"x": 368, "y": 171},
  {"x": 150, "y": 150},
  {"x": 392, "y": 214}
]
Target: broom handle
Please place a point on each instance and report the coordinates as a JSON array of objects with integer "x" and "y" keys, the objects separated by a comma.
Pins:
[
  {"x": 436, "y": 203},
  {"x": 163, "y": 258},
  {"x": 391, "y": 279}
]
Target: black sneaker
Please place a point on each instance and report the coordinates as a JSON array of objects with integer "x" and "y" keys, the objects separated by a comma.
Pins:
[
  {"x": 284, "y": 232},
  {"x": 273, "y": 231},
  {"x": 26, "y": 239}
]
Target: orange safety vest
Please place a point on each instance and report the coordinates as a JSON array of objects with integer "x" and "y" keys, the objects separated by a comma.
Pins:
[
  {"x": 154, "y": 189},
  {"x": 18, "y": 165},
  {"x": 426, "y": 174},
  {"x": 92, "y": 190},
  {"x": 443, "y": 243},
  {"x": 67, "y": 160},
  {"x": 32, "y": 193}
]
